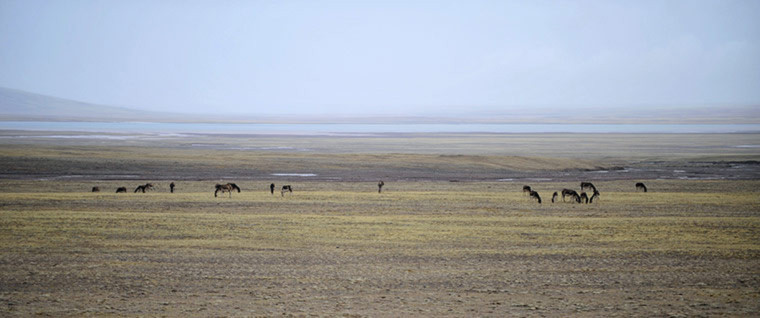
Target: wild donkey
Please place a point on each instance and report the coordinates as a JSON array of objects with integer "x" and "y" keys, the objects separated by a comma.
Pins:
[{"x": 226, "y": 188}]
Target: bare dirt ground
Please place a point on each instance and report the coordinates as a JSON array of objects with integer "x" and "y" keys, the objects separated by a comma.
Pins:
[{"x": 425, "y": 247}]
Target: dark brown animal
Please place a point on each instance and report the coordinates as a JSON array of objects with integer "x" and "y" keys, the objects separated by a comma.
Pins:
[
  {"x": 527, "y": 190},
  {"x": 95, "y": 189},
  {"x": 572, "y": 194},
  {"x": 144, "y": 187},
  {"x": 584, "y": 198},
  {"x": 587, "y": 185},
  {"x": 121, "y": 190},
  {"x": 271, "y": 188},
  {"x": 534, "y": 195},
  {"x": 286, "y": 188},
  {"x": 380, "y": 186},
  {"x": 554, "y": 196},
  {"x": 641, "y": 187},
  {"x": 171, "y": 187},
  {"x": 226, "y": 188},
  {"x": 593, "y": 196}
]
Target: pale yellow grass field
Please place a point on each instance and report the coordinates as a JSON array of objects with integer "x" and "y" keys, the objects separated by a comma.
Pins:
[{"x": 341, "y": 249}]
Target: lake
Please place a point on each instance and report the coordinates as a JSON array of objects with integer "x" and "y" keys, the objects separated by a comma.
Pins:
[{"x": 227, "y": 128}]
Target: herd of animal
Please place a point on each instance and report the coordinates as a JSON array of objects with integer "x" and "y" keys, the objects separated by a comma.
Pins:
[
  {"x": 229, "y": 188},
  {"x": 583, "y": 197},
  {"x": 573, "y": 195},
  {"x": 141, "y": 188}
]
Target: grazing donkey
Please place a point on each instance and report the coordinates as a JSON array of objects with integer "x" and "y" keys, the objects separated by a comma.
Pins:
[
  {"x": 286, "y": 188},
  {"x": 584, "y": 197},
  {"x": 641, "y": 187},
  {"x": 572, "y": 194},
  {"x": 594, "y": 196},
  {"x": 527, "y": 190},
  {"x": 534, "y": 195},
  {"x": 121, "y": 190},
  {"x": 226, "y": 188},
  {"x": 95, "y": 189},
  {"x": 554, "y": 196},
  {"x": 587, "y": 185},
  {"x": 144, "y": 187}
]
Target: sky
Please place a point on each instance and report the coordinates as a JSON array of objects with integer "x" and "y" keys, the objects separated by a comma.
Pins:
[{"x": 384, "y": 57}]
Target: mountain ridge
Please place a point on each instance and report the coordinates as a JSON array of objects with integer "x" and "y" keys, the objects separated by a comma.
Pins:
[{"x": 19, "y": 105}]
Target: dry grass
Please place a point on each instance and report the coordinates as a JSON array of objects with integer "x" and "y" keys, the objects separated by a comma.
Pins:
[{"x": 433, "y": 248}]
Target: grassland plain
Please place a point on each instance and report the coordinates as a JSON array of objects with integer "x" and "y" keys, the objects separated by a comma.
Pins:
[
  {"x": 389, "y": 157},
  {"x": 437, "y": 248},
  {"x": 424, "y": 247}
]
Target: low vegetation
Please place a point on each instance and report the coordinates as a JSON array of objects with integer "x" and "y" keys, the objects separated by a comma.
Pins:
[{"x": 420, "y": 248}]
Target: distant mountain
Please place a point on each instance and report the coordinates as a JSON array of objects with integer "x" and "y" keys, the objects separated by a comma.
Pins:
[{"x": 21, "y": 105}]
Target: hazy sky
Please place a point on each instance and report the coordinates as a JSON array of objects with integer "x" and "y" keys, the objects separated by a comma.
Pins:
[{"x": 383, "y": 57}]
